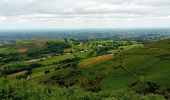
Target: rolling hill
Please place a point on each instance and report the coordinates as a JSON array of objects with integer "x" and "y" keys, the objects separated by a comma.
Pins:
[{"x": 143, "y": 70}]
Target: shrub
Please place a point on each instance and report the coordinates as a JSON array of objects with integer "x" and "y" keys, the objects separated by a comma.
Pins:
[
  {"x": 47, "y": 71},
  {"x": 32, "y": 90}
]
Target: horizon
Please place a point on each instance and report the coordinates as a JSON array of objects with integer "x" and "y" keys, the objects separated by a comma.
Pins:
[{"x": 76, "y": 28}]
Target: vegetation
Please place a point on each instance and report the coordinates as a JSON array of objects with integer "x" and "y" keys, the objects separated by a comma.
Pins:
[
  {"x": 24, "y": 90},
  {"x": 69, "y": 69}
]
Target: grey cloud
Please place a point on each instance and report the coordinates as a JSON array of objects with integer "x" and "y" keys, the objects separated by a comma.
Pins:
[{"x": 68, "y": 10}]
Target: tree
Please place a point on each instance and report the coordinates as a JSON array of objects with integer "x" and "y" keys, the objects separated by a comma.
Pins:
[
  {"x": 55, "y": 47},
  {"x": 65, "y": 40}
]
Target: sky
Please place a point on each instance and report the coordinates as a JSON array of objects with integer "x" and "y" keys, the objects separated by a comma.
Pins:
[{"x": 84, "y": 13}]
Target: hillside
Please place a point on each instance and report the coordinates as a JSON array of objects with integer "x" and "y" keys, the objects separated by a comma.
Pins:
[
  {"x": 125, "y": 71},
  {"x": 147, "y": 64}
]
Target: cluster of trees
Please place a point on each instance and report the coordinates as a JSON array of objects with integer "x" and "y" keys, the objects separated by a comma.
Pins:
[
  {"x": 34, "y": 54},
  {"x": 73, "y": 62},
  {"x": 55, "y": 47},
  {"x": 11, "y": 70},
  {"x": 5, "y": 58}
]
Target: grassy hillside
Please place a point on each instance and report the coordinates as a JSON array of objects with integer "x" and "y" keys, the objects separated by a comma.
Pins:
[
  {"x": 27, "y": 45},
  {"x": 150, "y": 63},
  {"x": 127, "y": 72}
]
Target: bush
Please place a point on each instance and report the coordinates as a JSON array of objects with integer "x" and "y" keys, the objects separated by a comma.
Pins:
[
  {"x": 32, "y": 90},
  {"x": 47, "y": 71}
]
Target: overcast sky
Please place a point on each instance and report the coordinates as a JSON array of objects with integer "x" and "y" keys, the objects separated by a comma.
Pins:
[{"x": 84, "y": 13}]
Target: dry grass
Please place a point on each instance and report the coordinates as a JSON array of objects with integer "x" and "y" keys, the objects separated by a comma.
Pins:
[
  {"x": 22, "y": 50},
  {"x": 87, "y": 63}
]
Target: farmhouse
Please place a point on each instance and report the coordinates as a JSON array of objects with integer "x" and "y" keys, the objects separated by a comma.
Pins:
[
  {"x": 82, "y": 51},
  {"x": 35, "y": 60},
  {"x": 68, "y": 53},
  {"x": 81, "y": 44},
  {"x": 100, "y": 45}
]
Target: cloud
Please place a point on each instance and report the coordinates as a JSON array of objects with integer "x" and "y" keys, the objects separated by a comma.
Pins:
[{"x": 56, "y": 11}]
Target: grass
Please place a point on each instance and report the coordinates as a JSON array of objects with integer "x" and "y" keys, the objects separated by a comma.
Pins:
[
  {"x": 3, "y": 49},
  {"x": 138, "y": 60},
  {"x": 51, "y": 60},
  {"x": 17, "y": 74},
  {"x": 129, "y": 47},
  {"x": 87, "y": 63},
  {"x": 41, "y": 69}
]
